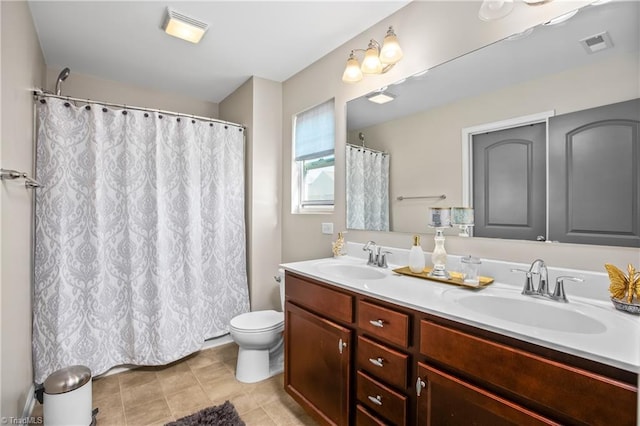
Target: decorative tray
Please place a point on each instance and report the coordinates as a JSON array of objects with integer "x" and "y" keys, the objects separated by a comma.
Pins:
[
  {"x": 456, "y": 277},
  {"x": 626, "y": 307}
]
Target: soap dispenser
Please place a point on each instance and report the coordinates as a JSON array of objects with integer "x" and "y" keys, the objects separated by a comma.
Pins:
[{"x": 416, "y": 256}]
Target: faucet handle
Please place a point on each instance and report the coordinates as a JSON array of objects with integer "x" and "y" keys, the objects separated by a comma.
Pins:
[
  {"x": 558, "y": 291},
  {"x": 528, "y": 283},
  {"x": 382, "y": 258},
  {"x": 368, "y": 245}
]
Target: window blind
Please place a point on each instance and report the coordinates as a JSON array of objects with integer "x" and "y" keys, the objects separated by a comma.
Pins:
[{"x": 315, "y": 132}]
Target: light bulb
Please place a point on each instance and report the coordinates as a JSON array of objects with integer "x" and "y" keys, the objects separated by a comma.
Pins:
[
  {"x": 371, "y": 63},
  {"x": 352, "y": 72},
  {"x": 391, "y": 51},
  {"x": 495, "y": 9}
]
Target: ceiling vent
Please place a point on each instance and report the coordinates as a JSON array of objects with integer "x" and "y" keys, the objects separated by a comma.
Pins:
[{"x": 596, "y": 43}]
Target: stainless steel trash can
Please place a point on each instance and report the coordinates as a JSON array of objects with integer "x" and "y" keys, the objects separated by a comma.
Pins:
[{"x": 68, "y": 397}]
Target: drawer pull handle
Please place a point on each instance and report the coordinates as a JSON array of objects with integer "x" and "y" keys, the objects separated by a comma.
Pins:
[
  {"x": 375, "y": 399},
  {"x": 341, "y": 345},
  {"x": 377, "y": 362},
  {"x": 419, "y": 386},
  {"x": 377, "y": 323}
]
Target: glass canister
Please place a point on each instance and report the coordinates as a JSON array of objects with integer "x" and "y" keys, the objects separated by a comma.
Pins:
[{"x": 470, "y": 267}]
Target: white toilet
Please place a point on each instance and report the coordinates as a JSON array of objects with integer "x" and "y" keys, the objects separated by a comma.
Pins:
[{"x": 259, "y": 335}]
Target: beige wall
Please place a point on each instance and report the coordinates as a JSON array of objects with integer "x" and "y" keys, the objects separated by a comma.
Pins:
[
  {"x": 84, "y": 86},
  {"x": 258, "y": 105},
  {"x": 413, "y": 141},
  {"x": 23, "y": 68},
  {"x": 430, "y": 33}
]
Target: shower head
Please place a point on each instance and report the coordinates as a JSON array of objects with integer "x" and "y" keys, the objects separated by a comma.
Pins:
[{"x": 62, "y": 77}]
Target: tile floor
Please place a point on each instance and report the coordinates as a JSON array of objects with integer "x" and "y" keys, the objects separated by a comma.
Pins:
[{"x": 157, "y": 395}]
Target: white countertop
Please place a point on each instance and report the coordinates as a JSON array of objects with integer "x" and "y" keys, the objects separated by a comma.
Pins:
[{"x": 614, "y": 338}]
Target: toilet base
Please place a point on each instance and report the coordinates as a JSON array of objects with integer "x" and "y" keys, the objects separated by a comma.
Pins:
[{"x": 257, "y": 365}]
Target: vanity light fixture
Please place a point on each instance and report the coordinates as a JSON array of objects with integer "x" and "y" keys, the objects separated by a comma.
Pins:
[
  {"x": 183, "y": 26},
  {"x": 490, "y": 10},
  {"x": 381, "y": 97},
  {"x": 377, "y": 59}
]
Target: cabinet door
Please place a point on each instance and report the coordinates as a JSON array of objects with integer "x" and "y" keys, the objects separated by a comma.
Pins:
[
  {"x": 317, "y": 362},
  {"x": 446, "y": 400}
]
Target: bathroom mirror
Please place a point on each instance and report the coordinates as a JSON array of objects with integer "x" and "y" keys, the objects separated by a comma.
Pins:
[{"x": 588, "y": 61}]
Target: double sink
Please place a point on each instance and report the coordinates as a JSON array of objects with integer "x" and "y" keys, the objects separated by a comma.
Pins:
[
  {"x": 504, "y": 305},
  {"x": 583, "y": 325}
]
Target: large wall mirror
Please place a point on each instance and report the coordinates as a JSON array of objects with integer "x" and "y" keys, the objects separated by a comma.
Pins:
[{"x": 423, "y": 148}]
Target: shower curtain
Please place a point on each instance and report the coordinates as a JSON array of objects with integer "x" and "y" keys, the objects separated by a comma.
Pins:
[
  {"x": 367, "y": 189},
  {"x": 139, "y": 236}
]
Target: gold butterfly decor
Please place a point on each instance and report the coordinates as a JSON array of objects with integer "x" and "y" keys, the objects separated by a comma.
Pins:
[{"x": 624, "y": 284}]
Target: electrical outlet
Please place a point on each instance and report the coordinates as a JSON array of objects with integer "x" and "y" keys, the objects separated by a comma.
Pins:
[{"x": 327, "y": 228}]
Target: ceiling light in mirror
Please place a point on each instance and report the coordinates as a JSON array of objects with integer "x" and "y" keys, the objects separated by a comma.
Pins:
[{"x": 381, "y": 97}]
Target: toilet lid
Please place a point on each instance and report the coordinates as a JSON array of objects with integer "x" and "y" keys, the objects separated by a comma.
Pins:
[{"x": 258, "y": 320}]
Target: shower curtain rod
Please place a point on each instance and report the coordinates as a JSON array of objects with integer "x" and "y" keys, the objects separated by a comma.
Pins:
[
  {"x": 368, "y": 149},
  {"x": 42, "y": 93}
]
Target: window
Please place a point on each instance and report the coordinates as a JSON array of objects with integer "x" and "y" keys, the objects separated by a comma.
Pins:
[{"x": 313, "y": 145}]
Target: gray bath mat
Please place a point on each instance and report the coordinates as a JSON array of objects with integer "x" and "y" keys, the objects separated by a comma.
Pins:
[{"x": 219, "y": 415}]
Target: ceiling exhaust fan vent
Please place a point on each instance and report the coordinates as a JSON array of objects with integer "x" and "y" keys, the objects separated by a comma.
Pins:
[
  {"x": 596, "y": 43},
  {"x": 173, "y": 14}
]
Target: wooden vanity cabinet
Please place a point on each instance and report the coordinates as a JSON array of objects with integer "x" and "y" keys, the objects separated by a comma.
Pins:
[
  {"x": 318, "y": 349},
  {"x": 447, "y": 400},
  {"x": 566, "y": 392},
  {"x": 403, "y": 367}
]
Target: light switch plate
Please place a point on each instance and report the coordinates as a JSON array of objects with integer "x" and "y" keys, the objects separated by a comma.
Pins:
[{"x": 327, "y": 228}]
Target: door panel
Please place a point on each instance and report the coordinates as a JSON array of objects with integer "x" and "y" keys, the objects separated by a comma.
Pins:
[
  {"x": 449, "y": 401},
  {"x": 509, "y": 183},
  {"x": 317, "y": 366},
  {"x": 594, "y": 174}
]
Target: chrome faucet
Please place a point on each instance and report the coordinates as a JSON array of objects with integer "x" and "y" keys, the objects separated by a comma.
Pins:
[
  {"x": 538, "y": 267},
  {"x": 377, "y": 256},
  {"x": 373, "y": 252},
  {"x": 558, "y": 291}
]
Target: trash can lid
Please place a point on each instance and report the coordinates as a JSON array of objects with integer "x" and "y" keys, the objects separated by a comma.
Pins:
[{"x": 67, "y": 379}]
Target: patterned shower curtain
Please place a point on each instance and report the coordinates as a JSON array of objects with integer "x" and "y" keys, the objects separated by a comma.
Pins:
[
  {"x": 139, "y": 238},
  {"x": 367, "y": 189}
]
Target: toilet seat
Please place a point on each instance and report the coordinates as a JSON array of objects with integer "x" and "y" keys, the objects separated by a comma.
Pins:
[{"x": 258, "y": 321}]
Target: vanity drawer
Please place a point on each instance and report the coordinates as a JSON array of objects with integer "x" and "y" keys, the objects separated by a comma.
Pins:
[
  {"x": 365, "y": 418},
  {"x": 384, "y": 323},
  {"x": 331, "y": 303},
  {"x": 381, "y": 399},
  {"x": 563, "y": 390},
  {"x": 383, "y": 362}
]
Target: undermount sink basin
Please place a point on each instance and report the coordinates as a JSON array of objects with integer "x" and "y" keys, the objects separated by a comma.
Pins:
[
  {"x": 533, "y": 312},
  {"x": 362, "y": 272}
]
